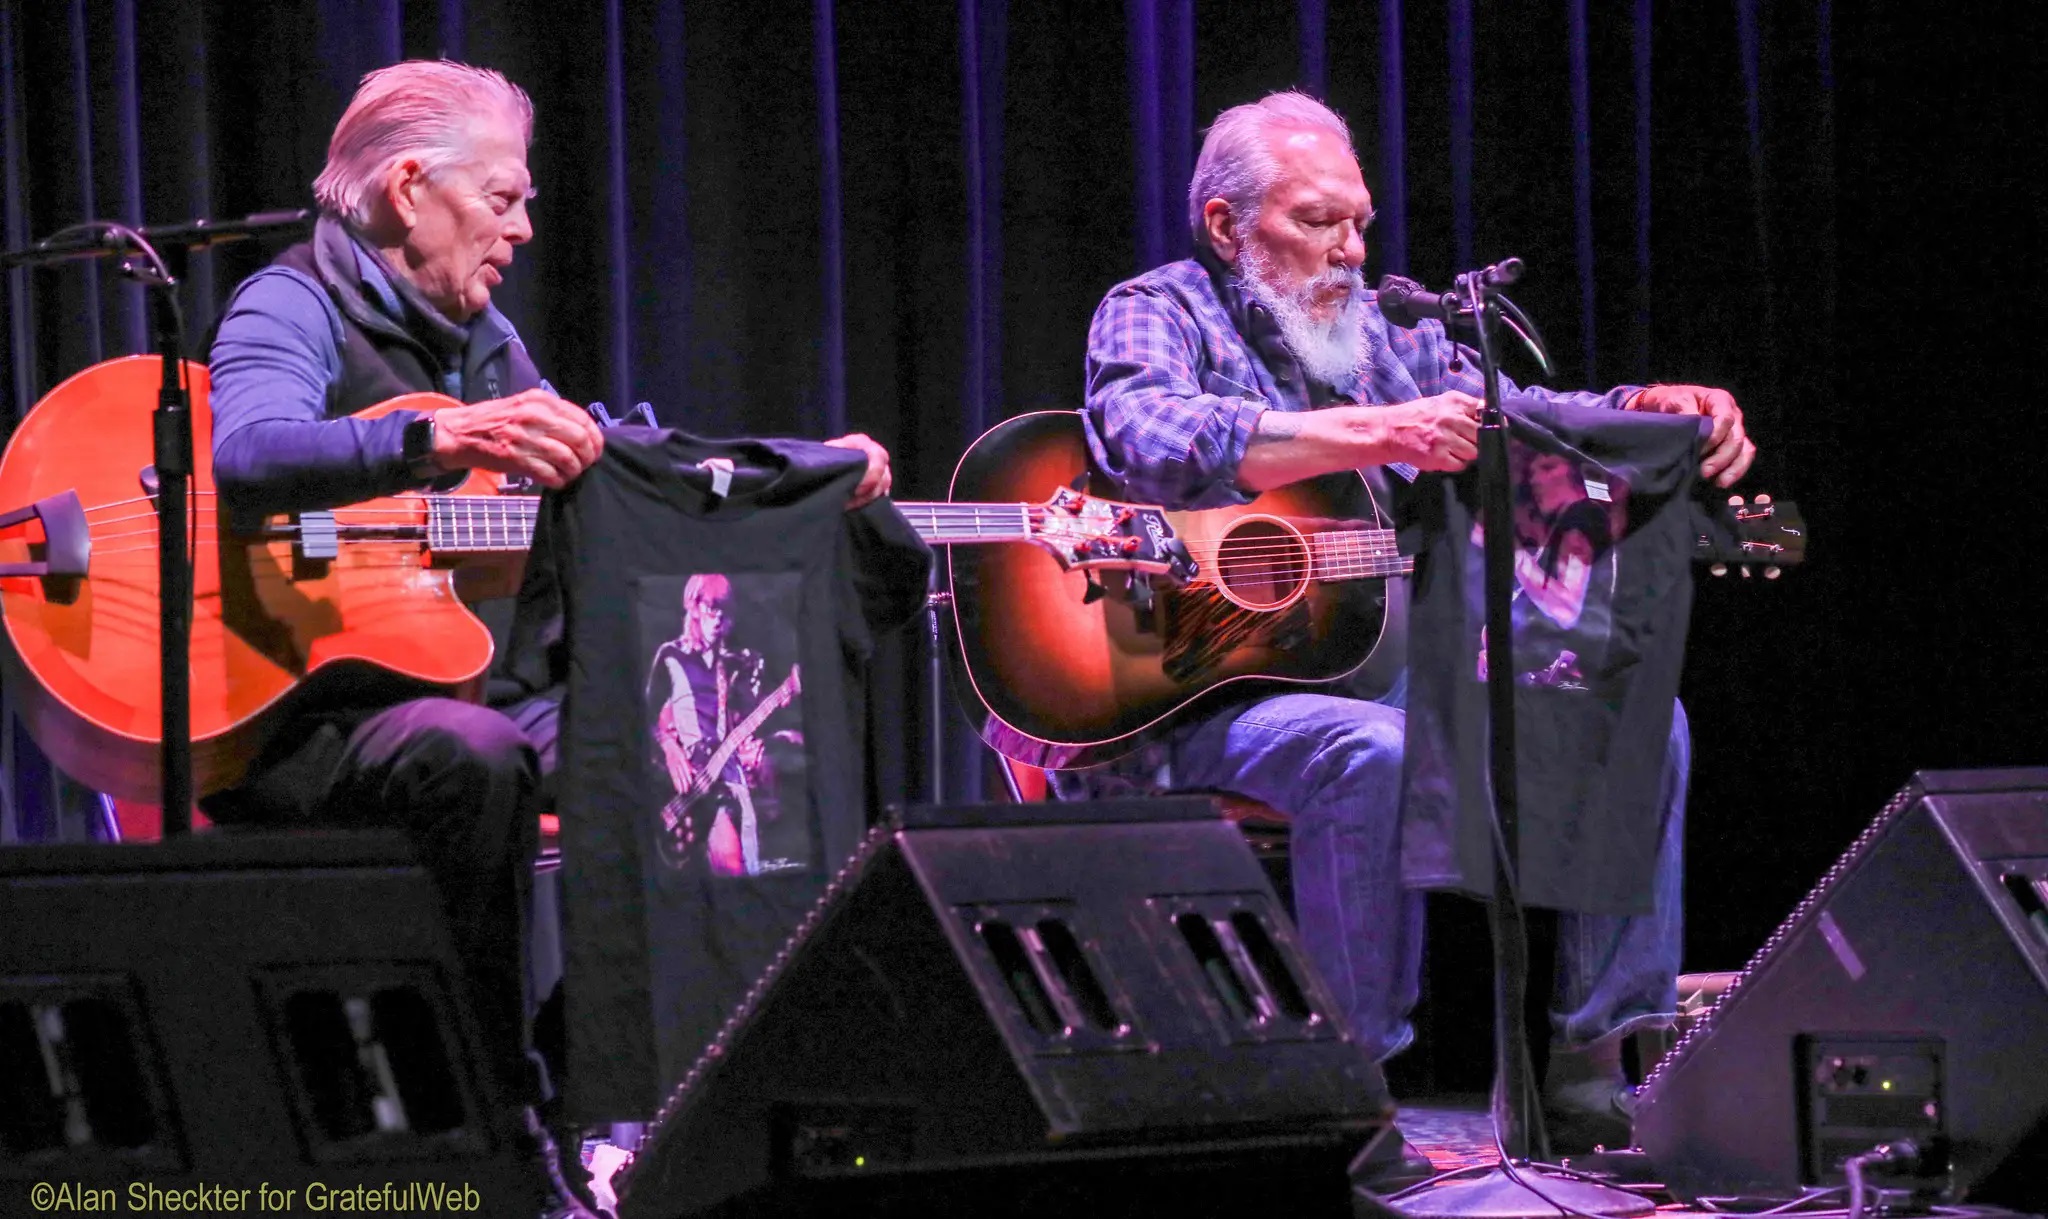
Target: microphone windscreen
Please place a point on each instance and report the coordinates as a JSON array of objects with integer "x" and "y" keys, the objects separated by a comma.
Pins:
[{"x": 1395, "y": 293}]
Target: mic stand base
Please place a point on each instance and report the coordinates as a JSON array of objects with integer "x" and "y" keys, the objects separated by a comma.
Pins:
[{"x": 1496, "y": 1195}]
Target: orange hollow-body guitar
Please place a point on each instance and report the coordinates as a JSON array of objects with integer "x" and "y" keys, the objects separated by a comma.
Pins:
[
  {"x": 297, "y": 599},
  {"x": 285, "y": 605}
]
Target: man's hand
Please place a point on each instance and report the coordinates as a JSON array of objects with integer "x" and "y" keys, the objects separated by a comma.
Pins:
[
  {"x": 1440, "y": 433},
  {"x": 1728, "y": 447},
  {"x": 533, "y": 433},
  {"x": 752, "y": 756},
  {"x": 875, "y": 483}
]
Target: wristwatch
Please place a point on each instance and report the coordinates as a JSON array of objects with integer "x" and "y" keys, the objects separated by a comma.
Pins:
[{"x": 417, "y": 447}]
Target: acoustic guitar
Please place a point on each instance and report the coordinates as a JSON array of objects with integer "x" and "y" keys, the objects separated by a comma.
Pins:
[
  {"x": 1076, "y": 667},
  {"x": 1116, "y": 620},
  {"x": 295, "y": 602}
]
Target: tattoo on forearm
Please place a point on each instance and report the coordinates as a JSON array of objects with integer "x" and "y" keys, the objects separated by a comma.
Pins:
[{"x": 1276, "y": 425}]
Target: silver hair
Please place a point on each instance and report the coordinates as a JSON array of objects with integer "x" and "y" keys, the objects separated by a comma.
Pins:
[
  {"x": 1237, "y": 164},
  {"x": 421, "y": 108}
]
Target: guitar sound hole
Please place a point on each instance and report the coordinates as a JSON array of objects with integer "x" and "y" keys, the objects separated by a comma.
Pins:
[{"x": 1263, "y": 564}]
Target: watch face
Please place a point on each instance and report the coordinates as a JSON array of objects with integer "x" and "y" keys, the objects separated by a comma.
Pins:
[{"x": 418, "y": 444}]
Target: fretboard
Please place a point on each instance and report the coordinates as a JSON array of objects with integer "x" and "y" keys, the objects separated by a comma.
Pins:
[
  {"x": 475, "y": 523},
  {"x": 1357, "y": 554},
  {"x": 943, "y": 524}
]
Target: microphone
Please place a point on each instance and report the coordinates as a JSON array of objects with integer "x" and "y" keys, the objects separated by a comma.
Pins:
[{"x": 1405, "y": 302}]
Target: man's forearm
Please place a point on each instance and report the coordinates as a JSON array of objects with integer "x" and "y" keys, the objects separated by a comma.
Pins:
[
  {"x": 287, "y": 465},
  {"x": 1287, "y": 447}
]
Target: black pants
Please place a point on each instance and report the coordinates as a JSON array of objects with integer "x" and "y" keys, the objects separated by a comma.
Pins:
[{"x": 466, "y": 785}]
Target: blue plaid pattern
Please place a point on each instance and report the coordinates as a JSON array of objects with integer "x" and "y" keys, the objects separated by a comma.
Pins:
[{"x": 1180, "y": 367}]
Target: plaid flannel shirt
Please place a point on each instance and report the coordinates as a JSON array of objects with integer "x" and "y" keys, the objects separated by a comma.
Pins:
[{"x": 1180, "y": 367}]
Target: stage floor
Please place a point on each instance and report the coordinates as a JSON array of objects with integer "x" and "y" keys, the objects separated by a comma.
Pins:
[{"x": 1453, "y": 1131}]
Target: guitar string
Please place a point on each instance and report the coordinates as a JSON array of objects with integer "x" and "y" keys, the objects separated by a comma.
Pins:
[
  {"x": 489, "y": 514},
  {"x": 508, "y": 508},
  {"x": 1341, "y": 569},
  {"x": 1246, "y": 561},
  {"x": 465, "y": 520}
]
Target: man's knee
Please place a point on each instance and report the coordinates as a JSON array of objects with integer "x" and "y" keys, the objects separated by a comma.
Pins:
[
  {"x": 441, "y": 748},
  {"x": 1359, "y": 764}
]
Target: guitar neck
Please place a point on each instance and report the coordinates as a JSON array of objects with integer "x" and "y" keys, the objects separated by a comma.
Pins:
[
  {"x": 942, "y": 524},
  {"x": 1357, "y": 554},
  {"x": 745, "y": 729},
  {"x": 480, "y": 524},
  {"x": 460, "y": 524}
]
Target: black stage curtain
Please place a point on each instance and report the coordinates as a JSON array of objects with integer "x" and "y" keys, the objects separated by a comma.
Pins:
[{"x": 896, "y": 216}]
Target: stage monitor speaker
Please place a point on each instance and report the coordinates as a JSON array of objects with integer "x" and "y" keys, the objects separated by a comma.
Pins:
[
  {"x": 228, "y": 1012},
  {"x": 1052, "y": 1009},
  {"x": 1905, "y": 999}
]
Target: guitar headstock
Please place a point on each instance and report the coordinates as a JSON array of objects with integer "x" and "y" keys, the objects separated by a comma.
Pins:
[
  {"x": 1745, "y": 535},
  {"x": 1088, "y": 533}
]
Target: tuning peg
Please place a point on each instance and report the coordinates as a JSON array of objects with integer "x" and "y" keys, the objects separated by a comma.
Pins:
[
  {"x": 1735, "y": 501},
  {"x": 1763, "y": 499},
  {"x": 1772, "y": 573},
  {"x": 1746, "y": 572},
  {"x": 1094, "y": 593},
  {"x": 1718, "y": 569}
]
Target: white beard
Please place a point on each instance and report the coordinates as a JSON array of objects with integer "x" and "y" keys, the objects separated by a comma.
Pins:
[{"x": 1328, "y": 350}]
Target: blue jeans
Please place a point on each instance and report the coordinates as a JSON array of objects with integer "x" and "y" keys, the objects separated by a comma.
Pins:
[{"x": 1333, "y": 764}]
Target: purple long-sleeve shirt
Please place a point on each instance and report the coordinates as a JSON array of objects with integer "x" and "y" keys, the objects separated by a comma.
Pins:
[{"x": 276, "y": 358}]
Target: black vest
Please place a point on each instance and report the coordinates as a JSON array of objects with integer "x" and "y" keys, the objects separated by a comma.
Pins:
[{"x": 381, "y": 359}]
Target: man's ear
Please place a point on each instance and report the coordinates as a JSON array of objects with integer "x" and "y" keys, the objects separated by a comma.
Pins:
[
  {"x": 1221, "y": 224},
  {"x": 402, "y": 184}
]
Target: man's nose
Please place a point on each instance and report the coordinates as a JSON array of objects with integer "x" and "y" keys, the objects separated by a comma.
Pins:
[
  {"x": 518, "y": 226},
  {"x": 1350, "y": 249}
]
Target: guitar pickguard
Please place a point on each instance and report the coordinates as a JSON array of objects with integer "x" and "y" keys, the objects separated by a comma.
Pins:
[{"x": 1201, "y": 629}]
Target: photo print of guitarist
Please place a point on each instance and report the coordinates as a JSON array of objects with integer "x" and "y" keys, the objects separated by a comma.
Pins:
[
  {"x": 728, "y": 734},
  {"x": 1569, "y": 515}
]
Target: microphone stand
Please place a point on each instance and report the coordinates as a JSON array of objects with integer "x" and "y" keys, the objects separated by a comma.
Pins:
[
  {"x": 1511, "y": 1187},
  {"x": 172, "y": 433}
]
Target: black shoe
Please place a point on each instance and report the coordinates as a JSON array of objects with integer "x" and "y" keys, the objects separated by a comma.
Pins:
[
  {"x": 1592, "y": 1116},
  {"x": 1587, "y": 1101},
  {"x": 553, "y": 1197},
  {"x": 1389, "y": 1164}
]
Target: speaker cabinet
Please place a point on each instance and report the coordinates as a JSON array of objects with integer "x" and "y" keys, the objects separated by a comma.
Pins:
[
  {"x": 231, "y": 1010},
  {"x": 1054, "y": 1009},
  {"x": 1905, "y": 998}
]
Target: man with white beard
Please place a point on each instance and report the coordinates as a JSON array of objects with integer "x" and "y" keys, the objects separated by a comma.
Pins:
[{"x": 1263, "y": 361}]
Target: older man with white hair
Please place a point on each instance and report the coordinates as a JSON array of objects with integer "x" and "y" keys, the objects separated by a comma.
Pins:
[
  {"x": 423, "y": 203},
  {"x": 1262, "y": 361}
]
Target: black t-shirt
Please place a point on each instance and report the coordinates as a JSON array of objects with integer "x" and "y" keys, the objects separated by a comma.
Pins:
[
  {"x": 716, "y": 622},
  {"x": 1603, "y": 591}
]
